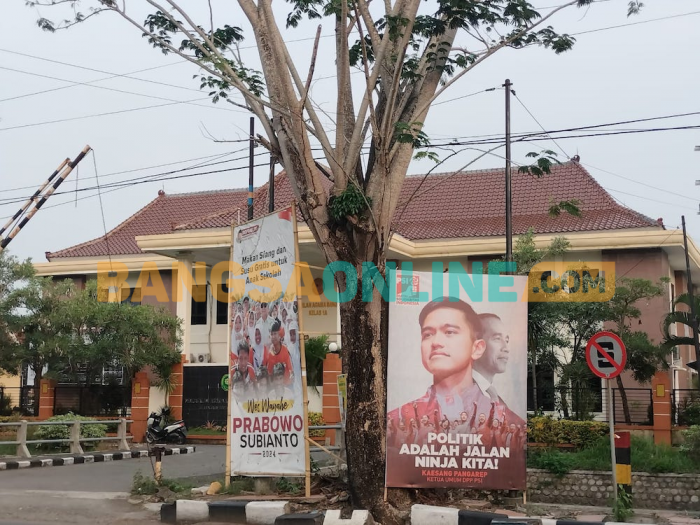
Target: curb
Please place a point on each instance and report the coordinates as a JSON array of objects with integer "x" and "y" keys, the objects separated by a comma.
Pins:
[
  {"x": 432, "y": 515},
  {"x": 274, "y": 512},
  {"x": 88, "y": 458},
  {"x": 232, "y": 511}
]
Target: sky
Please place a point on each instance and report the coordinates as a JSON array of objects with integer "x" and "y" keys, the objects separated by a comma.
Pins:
[{"x": 638, "y": 71}]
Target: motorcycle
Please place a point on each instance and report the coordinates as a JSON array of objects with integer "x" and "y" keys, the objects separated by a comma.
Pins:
[{"x": 158, "y": 432}]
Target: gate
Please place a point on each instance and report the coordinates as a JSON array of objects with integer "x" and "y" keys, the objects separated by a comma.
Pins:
[{"x": 203, "y": 398}]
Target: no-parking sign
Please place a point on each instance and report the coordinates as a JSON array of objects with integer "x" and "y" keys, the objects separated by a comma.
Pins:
[{"x": 606, "y": 355}]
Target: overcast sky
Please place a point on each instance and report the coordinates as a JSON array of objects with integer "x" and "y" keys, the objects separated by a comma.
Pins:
[{"x": 632, "y": 72}]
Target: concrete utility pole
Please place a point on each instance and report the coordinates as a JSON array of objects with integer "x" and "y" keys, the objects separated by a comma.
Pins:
[
  {"x": 251, "y": 169},
  {"x": 689, "y": 277},
  {"x": 509, "y": 211}
]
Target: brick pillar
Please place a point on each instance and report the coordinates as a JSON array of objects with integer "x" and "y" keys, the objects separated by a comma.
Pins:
[
  {"x": 332, "y": 368},
  {"x": 175, "y": 399},
  {"x": 661, "y": 396},
  {"x": 140, "y": 392},
  {"x": 47, "y": 393}
]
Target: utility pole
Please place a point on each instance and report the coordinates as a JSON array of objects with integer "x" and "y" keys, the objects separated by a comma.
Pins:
[
  {"x": 271, "y": 186},
  {"x": 689, "y": 278},
  {"x": 250, "y": 168},
  {"x": 509, "y": 199}
]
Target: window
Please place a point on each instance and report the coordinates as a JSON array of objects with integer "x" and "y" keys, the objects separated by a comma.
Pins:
[
  {"x": 222, "y": 306},
  {"x": 199, "y": 304}
]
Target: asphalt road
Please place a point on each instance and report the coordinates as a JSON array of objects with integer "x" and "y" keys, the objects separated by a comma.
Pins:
[{"x": 209, "y": 461}]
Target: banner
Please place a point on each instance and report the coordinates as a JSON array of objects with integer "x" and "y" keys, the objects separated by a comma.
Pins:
[
  {"x": 267, "y": 408},
  {"x": 457, "y": 380}
]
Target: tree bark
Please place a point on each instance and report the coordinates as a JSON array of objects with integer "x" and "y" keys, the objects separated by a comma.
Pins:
[
  {"x": 365, "y": 363},
  {"x": 623, "y": 396}
]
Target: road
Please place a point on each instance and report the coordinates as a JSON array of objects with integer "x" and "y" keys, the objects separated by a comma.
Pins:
[
  {"x": 115, "y": 476},
  {"x": 95, "y": 492}
]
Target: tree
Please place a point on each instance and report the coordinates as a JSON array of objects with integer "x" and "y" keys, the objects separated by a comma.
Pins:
[
  {"x": 644, "y": 357},
  {"x": 12, "y": 274},
  {"x": 54, "y": 326},
  {"x": 132, "y": 336},
  {"x": 410, "y": 54}
]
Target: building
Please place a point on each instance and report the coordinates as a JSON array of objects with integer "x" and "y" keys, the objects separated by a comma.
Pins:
[{"x": 446, "y": 217}]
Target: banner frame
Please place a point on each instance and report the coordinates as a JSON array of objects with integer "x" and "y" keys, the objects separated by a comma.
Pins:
[{"x": 305, "y": 402}]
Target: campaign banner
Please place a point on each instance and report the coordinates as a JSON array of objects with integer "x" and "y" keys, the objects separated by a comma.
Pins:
[
  {"x": 457, "y": 380},
  {"x": 267, "y": 408}
]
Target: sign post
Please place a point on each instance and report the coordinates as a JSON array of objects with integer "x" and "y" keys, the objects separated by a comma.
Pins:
[{"x": 606, "y": 356}]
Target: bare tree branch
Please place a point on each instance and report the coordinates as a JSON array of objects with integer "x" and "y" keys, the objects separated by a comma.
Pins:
[{"x": 311, "y": 69}]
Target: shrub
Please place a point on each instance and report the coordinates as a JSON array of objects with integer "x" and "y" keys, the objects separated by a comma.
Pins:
[
  {"x": 691, "y": 444},
  {"x": 63, "y": 431},
  {"x": 5, "y": 405},
  {"x": 556, "y": 462},
  {"x": 316, "y": 420},
  {"x": 550, "y": 431}
]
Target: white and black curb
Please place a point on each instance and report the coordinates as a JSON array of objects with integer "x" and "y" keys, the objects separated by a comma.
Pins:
[
  {"x": 431, "y": 515},
  {"x": 233, "y": 511},
  {"x": 88, "y": 458}
]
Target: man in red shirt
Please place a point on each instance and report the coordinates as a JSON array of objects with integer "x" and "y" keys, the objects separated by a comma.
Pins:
[{"x": 278, "y": 353}]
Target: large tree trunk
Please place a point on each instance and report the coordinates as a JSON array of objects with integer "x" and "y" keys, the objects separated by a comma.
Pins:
[{"x": 365, "y": 330}]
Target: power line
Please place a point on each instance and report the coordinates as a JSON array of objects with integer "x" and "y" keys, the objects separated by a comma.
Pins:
[
  {"x": 635, "y": 23},
  {"x": 157, "y": 177},
  {"x": 95, "y": 115},
  {"x": 609, "y": 172},
  {"x": 218, "y": 155},
  {"x": 128, "y": 185},
  {"x": 87, "y": 84}
]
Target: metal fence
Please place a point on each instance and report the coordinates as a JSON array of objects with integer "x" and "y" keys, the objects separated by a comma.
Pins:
[
  {"x": 685, "y": 407},
  {"x": 640, "y": 406},
  {"x": 18, "y": 399},
  {"x": 93, "y": 400},
  {"x": 74, "y": 438}
]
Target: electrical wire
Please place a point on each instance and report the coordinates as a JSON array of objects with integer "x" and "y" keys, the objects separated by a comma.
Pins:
[
  {"x": 217, "y": 156},
  {"x": 681, "y": 15},
  {"x": 123, "y": 91}
]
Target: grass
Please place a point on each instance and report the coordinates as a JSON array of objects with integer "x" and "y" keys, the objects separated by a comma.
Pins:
[
  {"x": 202, "y": 431},
  {"x": 144, "y": 485},
  {"x": 237, "y": 486},
  {"x": 646, "y": 457}
]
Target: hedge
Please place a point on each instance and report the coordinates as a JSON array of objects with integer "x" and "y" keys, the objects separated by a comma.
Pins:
[
  {"x": 63, "y": 431},
  {"x": 550, "y": 431}
]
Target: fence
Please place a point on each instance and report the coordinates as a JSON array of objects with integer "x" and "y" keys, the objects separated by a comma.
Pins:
[
  {"x": 93, "y": 400},
  {"x": 20, "y": 399},
  {"x": 337, "y": 451},
  {"x": 685, "y": 407},
  {"x": 640, "y": 406},
  {"x": 75, "y": 440},
  {"x": 585, "y": 403}
]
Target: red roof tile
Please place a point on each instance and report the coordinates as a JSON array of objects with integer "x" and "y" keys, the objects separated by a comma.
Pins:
[
  {"x": 157, "y": 217},
  {"x": 449, "y": 205}
]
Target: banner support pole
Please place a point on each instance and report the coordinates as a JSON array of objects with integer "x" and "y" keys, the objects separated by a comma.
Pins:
[
  {"x": 302, "y": 352},
  {"x": 227, "y": 481}
]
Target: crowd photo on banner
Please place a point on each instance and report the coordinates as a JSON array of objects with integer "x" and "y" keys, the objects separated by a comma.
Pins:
[
  {"x": 456, "y": 391},
  {"x": 265, "y": 354}
]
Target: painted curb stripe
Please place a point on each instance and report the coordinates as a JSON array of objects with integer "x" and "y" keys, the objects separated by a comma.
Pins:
[
  {"x": 87, "y": 458},
  {"x": 228, "y": 511}
]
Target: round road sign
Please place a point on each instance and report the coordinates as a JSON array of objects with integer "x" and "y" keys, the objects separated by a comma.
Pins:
[{"x": 606, "y": 355}]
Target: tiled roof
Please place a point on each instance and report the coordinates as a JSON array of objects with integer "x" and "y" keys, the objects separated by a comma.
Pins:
[
  {"x": 444, "y": 206},
  {"x": 159, "y": 216},
  {"x": 472, "y": 204}
]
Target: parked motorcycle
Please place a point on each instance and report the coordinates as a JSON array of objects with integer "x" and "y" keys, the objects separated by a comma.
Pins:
[{"x": 159, "y": 432}]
